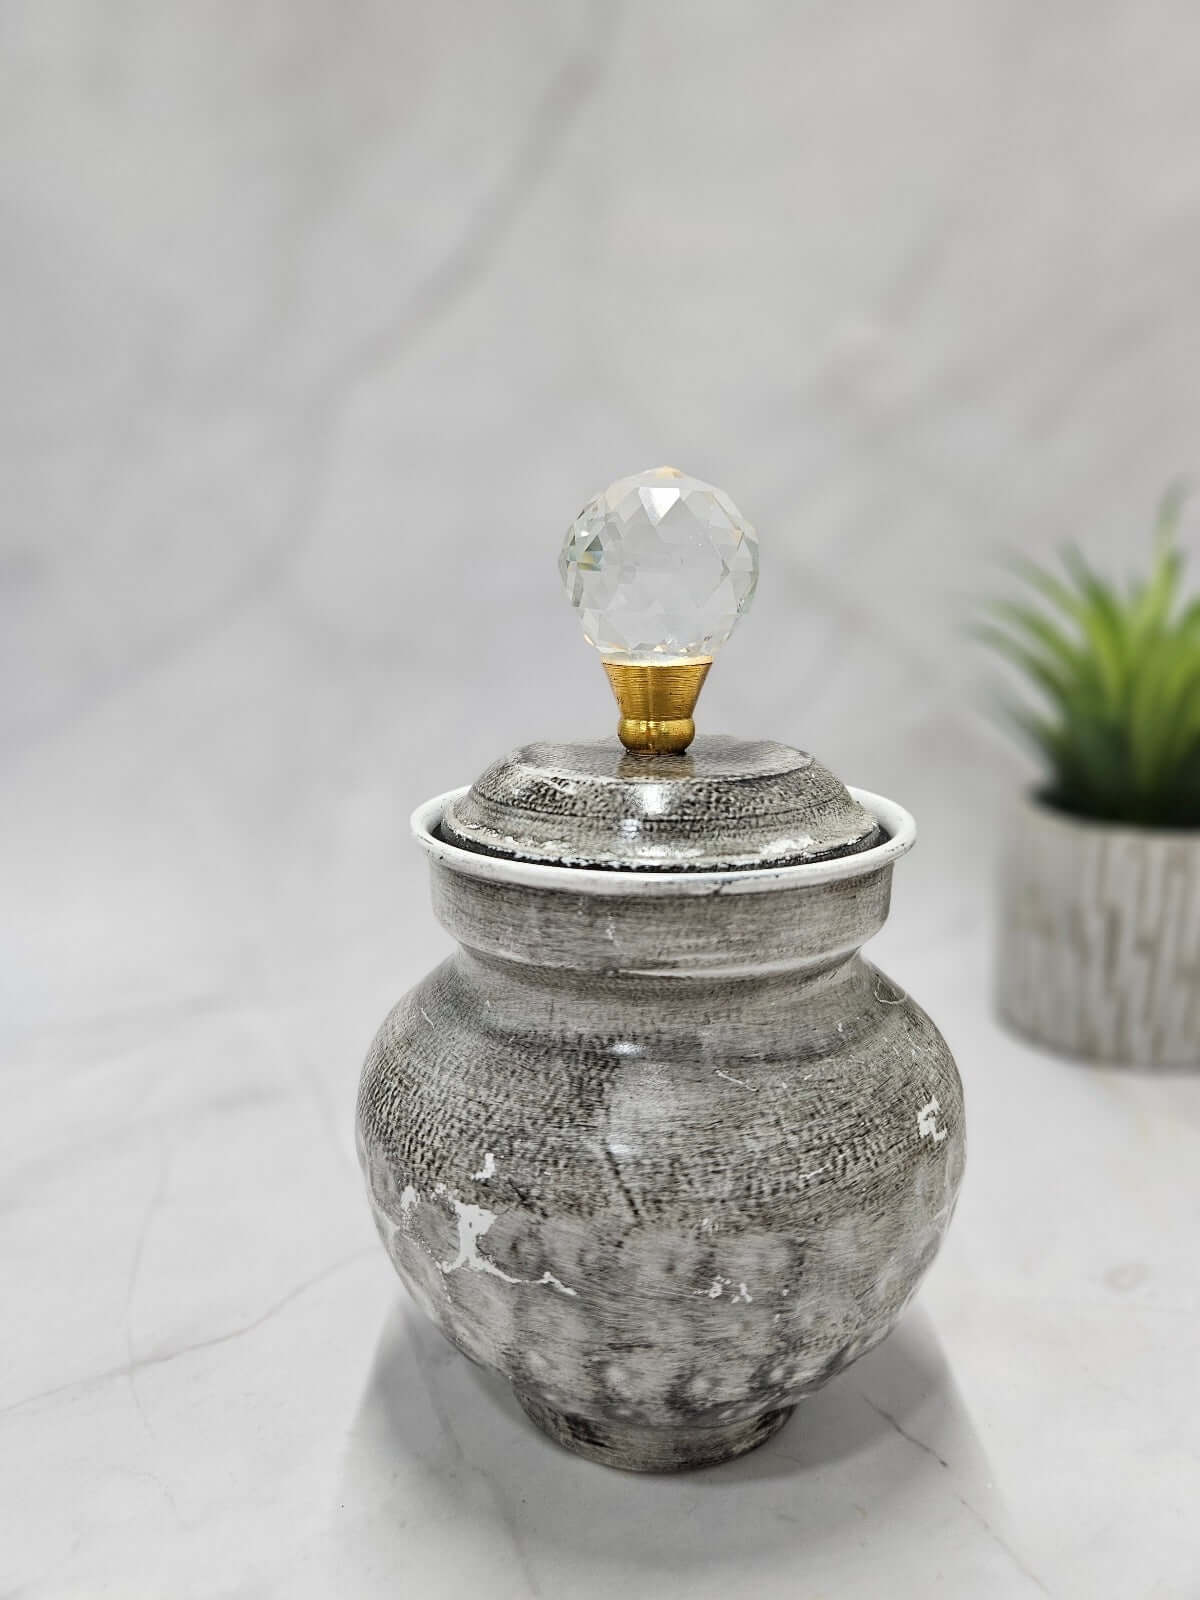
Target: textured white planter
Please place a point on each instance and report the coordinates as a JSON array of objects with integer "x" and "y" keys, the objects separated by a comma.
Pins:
[{"x": 1099, "y": 941}]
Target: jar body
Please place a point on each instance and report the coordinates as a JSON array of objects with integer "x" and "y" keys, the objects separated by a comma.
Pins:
[{"x": 667, "y": 1177}]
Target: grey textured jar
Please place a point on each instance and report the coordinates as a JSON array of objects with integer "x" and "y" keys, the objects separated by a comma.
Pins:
[{"x": 659, "y": 1145}]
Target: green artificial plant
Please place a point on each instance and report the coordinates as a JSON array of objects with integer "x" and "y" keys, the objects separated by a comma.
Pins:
[{"x": 1117, "y": 672}]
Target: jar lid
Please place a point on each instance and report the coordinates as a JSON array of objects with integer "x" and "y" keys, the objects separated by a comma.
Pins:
[
  {"x": 726, "y": 804},
  {"x": 659, "y": 569}
]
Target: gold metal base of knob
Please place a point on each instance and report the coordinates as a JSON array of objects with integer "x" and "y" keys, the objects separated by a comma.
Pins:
[{"x": 657, "y": 699}]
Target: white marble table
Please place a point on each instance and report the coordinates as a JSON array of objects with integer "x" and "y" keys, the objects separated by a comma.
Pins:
[{"x": 320, "y": 322}]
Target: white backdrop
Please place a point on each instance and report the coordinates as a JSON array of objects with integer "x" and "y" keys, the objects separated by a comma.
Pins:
[{"x": 320, "y": 322}]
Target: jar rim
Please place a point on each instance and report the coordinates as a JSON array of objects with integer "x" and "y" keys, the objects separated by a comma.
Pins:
[{"x": 893, "y": 819}]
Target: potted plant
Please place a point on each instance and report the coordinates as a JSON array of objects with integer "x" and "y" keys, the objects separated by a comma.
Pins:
[{"x": 1099, "y": 938}]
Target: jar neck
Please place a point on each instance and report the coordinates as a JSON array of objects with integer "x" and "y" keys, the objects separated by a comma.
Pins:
[
  {"x": 648, "y": 987},
  {"x": 787, "y": 933}
]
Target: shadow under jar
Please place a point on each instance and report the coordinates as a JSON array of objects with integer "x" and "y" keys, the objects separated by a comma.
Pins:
[{"x": 656, "y": 1143}]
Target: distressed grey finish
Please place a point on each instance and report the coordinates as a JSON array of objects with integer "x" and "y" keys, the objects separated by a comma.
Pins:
[
  {"x": 663, "y": 1149},
  {"x": 1099, "y": 941},
  {"x": 726, "y": 803}
]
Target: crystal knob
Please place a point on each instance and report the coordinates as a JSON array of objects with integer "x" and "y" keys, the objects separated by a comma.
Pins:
[{"x": 659, "y": 567}]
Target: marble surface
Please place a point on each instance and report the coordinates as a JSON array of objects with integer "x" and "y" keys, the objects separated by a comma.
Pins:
[{"x": 320, "y": 322}]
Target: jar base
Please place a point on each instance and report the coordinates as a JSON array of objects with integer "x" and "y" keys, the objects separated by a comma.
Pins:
[{"x": 634, "y": 1447}]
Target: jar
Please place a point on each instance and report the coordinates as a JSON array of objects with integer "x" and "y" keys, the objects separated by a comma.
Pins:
[{"x": 656, "y": 1142}]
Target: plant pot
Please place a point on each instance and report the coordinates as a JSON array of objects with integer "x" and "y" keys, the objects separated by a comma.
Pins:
[{"x": 1098, "y": 951}]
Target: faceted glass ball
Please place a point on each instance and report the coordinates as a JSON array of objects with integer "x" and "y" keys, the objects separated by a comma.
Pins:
[{"x": 659, "y": 567}]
